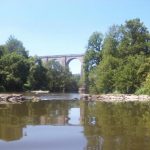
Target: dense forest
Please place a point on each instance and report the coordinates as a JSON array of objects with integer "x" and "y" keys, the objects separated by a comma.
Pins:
[
  {"x": 21, "y": 72},
  {"x": 119, "y": 62}
]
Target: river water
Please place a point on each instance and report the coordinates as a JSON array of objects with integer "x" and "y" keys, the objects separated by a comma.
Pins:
[{"x": 62, "y": 122}]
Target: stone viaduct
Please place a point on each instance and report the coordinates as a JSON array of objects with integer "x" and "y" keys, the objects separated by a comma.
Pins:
[{"x": 64, "y": 60}]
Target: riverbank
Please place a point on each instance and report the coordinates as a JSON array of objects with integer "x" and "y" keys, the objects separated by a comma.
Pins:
[
  {"x": 114, "y": 97},
  {"x": 20, "y": 98},
  {"x": 11, "y": 98},
  {"x": 16, "y": 98}
]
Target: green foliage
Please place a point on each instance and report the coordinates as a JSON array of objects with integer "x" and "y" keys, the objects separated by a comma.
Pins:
[
  {"x": 111, "y": 41},
  {"x": 135, "y": 38},
  {"x": 92, "y": 56},
  {"x": 125, "y": 60},
  {"x": 3, "y": 50},
  {"x": 14, "y": 70},
  {"x": 145, "y": 89},
  {"x": 74, "y": 84},
  {"x": 2, "y": 89},
  {"x": 60, "y": 78},
  {"x": 119, "y": 62},
  {"x": 14, "y": 45},
  {"x": 37, "y": 76},
  {"x": 18, "y": 72},
  {"x": 105, "y": 71}
]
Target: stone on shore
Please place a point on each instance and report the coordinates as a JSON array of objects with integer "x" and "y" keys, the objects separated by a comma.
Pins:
[
  {"x": 16, "y": 98},
  {"x": 11, "y": 98},
  {"x": 114, "y": 97}
]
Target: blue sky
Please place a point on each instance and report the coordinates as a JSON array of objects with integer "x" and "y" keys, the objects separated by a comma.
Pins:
[{"x": 51, "y": 27}]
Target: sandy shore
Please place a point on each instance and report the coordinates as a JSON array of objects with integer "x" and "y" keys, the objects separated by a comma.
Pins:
[{"x": 114, "y": 97}]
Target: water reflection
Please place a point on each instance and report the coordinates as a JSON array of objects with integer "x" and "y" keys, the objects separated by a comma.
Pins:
[
  {"x": 120, "y": 126},
  {"x": 73, "y": 124},
  {"x": 13, "y": 118}
]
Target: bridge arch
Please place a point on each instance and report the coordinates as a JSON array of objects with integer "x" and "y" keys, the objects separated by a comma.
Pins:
[
  {"x": 73, "y": 58},
  {"x": 74, "y": 66}
]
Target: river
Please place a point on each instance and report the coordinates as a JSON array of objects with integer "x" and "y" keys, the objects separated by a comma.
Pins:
[{"x": 63, "y": 122}]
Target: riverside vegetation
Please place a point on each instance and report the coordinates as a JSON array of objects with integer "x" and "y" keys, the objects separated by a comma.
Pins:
[
  {"x": 21, "y": 72},
  {"x": 118, "y": 62}
]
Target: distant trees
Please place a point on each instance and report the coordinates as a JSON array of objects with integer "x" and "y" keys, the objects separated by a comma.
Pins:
[
  {"x": 60, "y": 78},
  {"x": 19, "y": 72},
  {"x": 124, "y": 60},
  {"x": 37, "y": 78},
  {"x": 58, "y": 75}
]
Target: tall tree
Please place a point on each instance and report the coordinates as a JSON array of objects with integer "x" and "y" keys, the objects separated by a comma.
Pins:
[
  {"x": 101, "y": 78},
  {"x": 14, "y": 45},
  {"x": 93, "y": 55}
]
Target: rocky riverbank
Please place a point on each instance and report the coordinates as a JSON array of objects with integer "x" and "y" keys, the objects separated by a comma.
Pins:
[
  {"x": 16, "y": 98},
  {"x": 115, "y": 97},
  {"x": 11, "y": 98}
]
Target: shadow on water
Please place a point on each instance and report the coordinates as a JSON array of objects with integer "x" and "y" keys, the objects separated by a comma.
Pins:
[{"x": 74, "y": 125}]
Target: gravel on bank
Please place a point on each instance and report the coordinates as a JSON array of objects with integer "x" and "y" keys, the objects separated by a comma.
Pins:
[
  {"x": 17, "y": 98},
  {"x": 114, "y": 97},
  {"x": 11, "y": 98}
]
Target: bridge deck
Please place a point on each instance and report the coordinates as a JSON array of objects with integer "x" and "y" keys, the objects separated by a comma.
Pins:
[{"x": 59, "y": 56}]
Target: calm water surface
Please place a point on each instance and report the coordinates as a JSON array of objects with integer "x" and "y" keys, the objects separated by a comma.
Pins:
[{"x": 61, "y": 122}]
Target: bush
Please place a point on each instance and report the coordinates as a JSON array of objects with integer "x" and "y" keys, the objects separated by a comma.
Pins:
[
  {"x": 145, "y": 89},
  {"x": 2, "y": 89}
]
